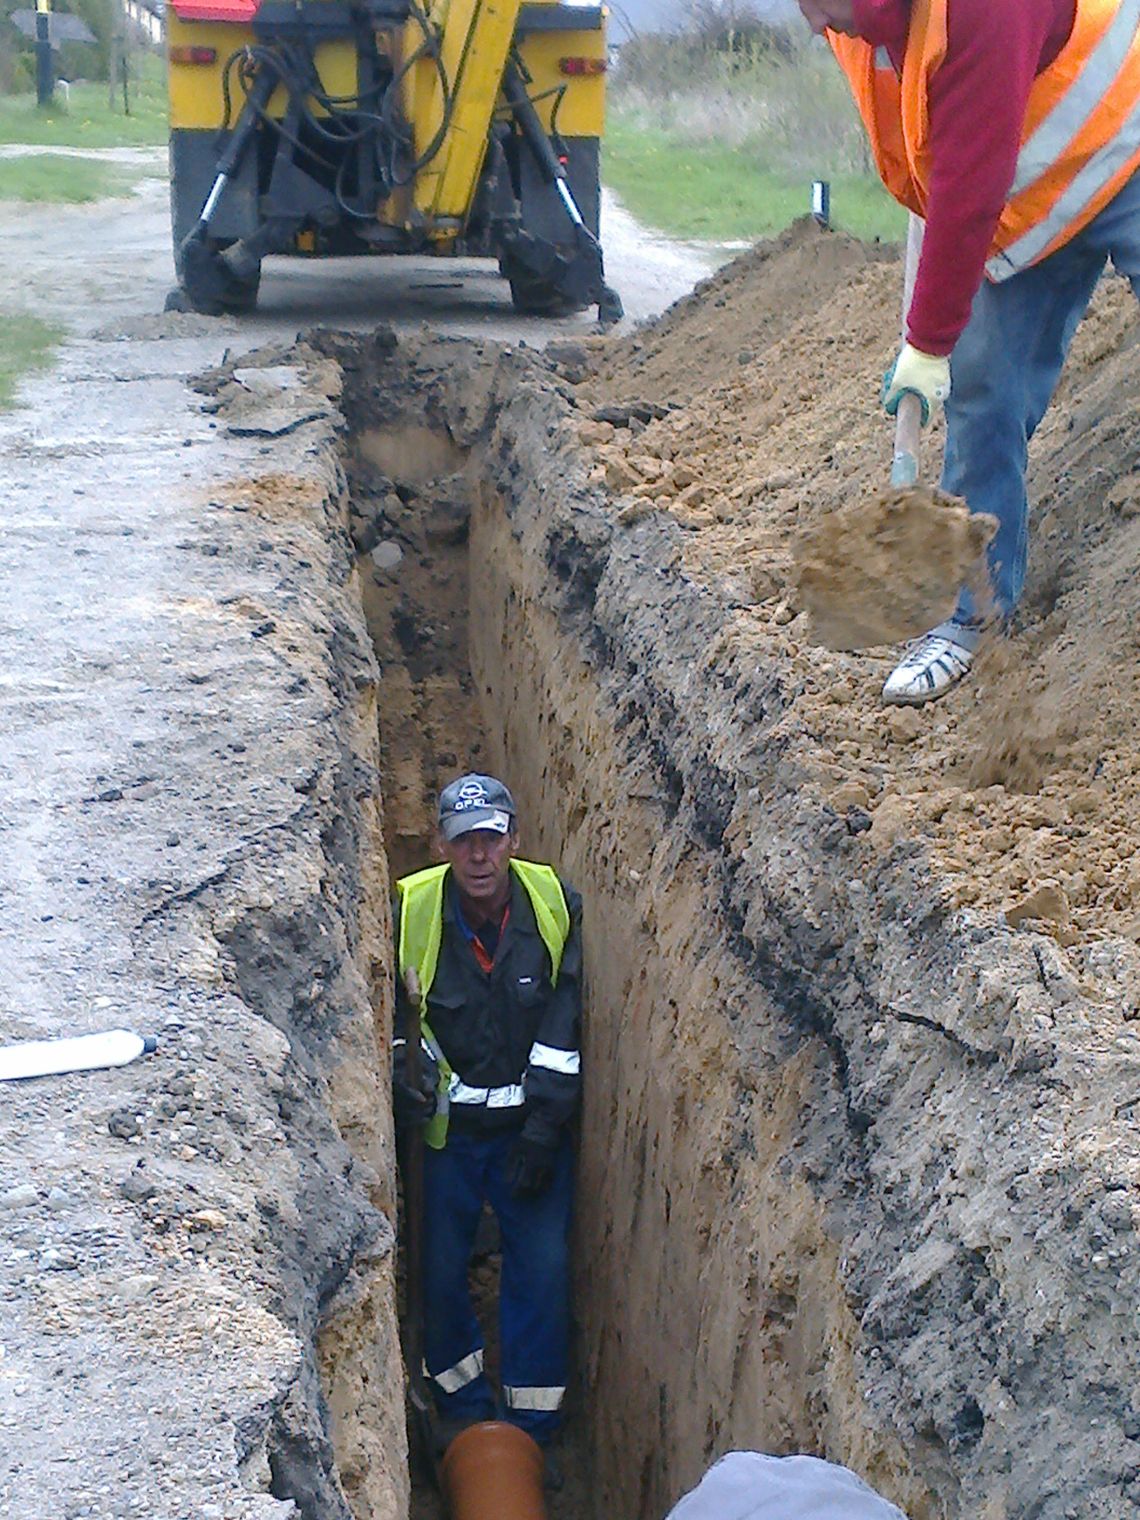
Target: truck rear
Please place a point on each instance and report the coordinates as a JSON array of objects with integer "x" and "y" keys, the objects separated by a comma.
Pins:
[{"x": 450, "y": 127}]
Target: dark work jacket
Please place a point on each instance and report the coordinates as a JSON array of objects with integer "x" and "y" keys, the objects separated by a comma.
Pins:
[{"x": 486, "y": 1023}]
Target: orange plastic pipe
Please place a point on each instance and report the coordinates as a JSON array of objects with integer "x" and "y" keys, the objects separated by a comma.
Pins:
[{"x": 493, "y": 1471}]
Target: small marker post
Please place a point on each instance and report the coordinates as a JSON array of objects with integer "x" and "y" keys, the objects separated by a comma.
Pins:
[{"x": 821, "y": 201}]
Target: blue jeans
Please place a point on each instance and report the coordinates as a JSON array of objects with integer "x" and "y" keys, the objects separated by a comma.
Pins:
[
  {"x": 534, "y": 1294},
  {"x": 1003, "y": 372}
]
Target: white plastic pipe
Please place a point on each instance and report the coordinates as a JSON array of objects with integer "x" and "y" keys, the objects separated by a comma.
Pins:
[{"x": 84, "y": 1052}]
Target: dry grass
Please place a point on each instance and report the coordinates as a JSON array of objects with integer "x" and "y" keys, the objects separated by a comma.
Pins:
[
  {"x": 780, "y": 95},
  {"x": 720, "y": 136}
]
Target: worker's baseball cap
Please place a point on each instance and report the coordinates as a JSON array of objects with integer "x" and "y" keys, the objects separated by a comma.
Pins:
[{"x": 475, "y": 802}]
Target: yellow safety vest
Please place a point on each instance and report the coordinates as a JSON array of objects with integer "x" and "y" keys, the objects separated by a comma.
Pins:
[
  {"x": 421, "y": 934},
  {"x": 1080, "y": 141}
]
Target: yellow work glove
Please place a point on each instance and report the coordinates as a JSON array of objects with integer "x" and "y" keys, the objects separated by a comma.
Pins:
[{"x": 926, "y": 376}]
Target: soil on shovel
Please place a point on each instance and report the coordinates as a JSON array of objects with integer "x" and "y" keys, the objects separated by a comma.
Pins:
[{"x": 889, "y": 566}]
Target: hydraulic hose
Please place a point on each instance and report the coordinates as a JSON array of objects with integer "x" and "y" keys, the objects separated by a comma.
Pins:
[{"x": 230, "y": 161}]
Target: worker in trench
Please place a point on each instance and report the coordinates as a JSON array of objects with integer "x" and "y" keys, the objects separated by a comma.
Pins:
[
  {"x": 496, "y": 943},
  {"x": 1014, "y": 130}
]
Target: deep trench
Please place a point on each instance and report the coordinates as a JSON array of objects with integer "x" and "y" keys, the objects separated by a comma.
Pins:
[
  {"x": 793, "y": 1077},
  {"x": 477, "y": 674},
  {"x": 412, "y": 491},
  {"x": 824, "y": 1202}
]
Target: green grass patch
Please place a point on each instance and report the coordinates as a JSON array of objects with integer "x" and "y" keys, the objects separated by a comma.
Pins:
[
  {"x": 55, "y": 177},
  {"x": 26, "y": 344},
  {"x": 89, "y": 121},
  {"x": 722, "y": 193}
]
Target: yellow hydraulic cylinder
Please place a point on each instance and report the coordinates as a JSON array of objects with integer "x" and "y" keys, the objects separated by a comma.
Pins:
[{"x": 475, "y": 40}]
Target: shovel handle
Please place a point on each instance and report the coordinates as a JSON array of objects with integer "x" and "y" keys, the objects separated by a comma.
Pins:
[
  {"x": 908, "y": 428},
  {"x": 908, "y": 418}
]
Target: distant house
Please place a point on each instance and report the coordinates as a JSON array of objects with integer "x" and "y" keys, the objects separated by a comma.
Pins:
[{"x": 62, "y": 27}]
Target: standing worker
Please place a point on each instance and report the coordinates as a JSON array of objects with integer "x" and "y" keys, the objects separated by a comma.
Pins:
[
  {"x": 1013, "y": 128},
  {"x": 496, "y": 944}
]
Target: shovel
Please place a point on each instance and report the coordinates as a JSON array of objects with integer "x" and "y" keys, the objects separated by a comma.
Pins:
[
  {"x": 888, "y": 567},
  {"x": 908, "y": 417}
]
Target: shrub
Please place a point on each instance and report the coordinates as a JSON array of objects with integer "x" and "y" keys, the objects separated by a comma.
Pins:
[{"x": 772, "y": 92}]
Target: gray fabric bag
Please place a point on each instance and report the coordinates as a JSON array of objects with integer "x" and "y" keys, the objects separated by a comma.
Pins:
[{"x": 746, "y": 1485}]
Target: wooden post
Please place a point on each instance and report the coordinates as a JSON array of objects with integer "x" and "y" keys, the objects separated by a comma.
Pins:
[{"x": 45, "y": 68}]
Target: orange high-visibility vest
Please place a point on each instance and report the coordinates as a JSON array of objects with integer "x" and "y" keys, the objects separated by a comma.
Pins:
[{"x": 1080, "y": 140}]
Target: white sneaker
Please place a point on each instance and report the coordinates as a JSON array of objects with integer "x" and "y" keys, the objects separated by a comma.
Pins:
[{"x": 930, "y": 667}]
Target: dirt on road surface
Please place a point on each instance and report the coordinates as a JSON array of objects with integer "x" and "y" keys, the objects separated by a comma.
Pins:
[{"x": 859, "y": 1169}]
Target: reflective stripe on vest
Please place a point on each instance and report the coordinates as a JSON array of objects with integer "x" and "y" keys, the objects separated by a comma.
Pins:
[
  {"x": 1072, "y": 112},
  {"x": 421, "y": 935},
  {"x": 1066, "y": 214},
  {"x": 1080, "y": 139},
  {"x": 552, "y": 1058}
]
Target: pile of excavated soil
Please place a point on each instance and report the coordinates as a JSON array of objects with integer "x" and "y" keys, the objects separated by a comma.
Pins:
[{"x": 750, "y": 413}]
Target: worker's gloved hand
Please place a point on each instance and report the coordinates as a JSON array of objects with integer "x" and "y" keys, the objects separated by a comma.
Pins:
[
  {"x": 414, "y": 1105},
  {"x": 530, "y": 1168},
  {"x": 926, "y": 376}
]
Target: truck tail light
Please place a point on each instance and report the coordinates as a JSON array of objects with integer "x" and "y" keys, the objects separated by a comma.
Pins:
[
  {"x": 183, "y": 52},
  {"x": 580, "y": 66}
]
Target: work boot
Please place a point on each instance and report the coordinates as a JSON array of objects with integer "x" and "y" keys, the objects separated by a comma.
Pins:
[{"x": 930, "y": 667}]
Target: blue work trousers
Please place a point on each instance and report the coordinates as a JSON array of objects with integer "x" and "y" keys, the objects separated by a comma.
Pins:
[
  {"x": 1003, "y": 372},
  {"x": 534, "y": 1294}
]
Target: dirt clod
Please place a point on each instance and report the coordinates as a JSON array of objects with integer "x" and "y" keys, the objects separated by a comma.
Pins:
[
  {"x": 888, "y": 567},
  {"x": 1047, "y": 901}
]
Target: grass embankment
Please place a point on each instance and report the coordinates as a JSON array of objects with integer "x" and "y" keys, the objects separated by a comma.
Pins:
[
  {"x": 722, "y": 138},
  {"x": 26, "y": 344},
  {"x": 88, "y": 120},
  {"x": 55, "y": 177}
]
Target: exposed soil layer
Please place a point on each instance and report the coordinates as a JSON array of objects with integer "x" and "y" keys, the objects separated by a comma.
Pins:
[
  {"x": 196, "y": 1251},
  {"x": 858, "y": 1167}
]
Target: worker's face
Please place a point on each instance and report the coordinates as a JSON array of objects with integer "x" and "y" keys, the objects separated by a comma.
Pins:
[
  {"x": 839, "y": 15},
  {"x": 481, "y": 863}
]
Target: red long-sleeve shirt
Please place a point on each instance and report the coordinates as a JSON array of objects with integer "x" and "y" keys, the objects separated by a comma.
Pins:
[{"x": 995, "y": 50}]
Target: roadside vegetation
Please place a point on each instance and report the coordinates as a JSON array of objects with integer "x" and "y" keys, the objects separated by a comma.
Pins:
[
  {"x": 87, "y": 119},
  {"x": 58, "y": 177},
  {"x": 719, "y": 131},
  {"x": 26, "y": 344}
]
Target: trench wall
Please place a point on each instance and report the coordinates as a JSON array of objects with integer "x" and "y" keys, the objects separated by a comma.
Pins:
[
  {"x": 858, "y": 1171},
  {"x": 197, "y": 1251},
  {"x": 857, "y": 1166}
]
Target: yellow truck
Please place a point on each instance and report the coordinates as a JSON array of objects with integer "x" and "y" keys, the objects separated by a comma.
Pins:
[{"x": 328, "y": 127}]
